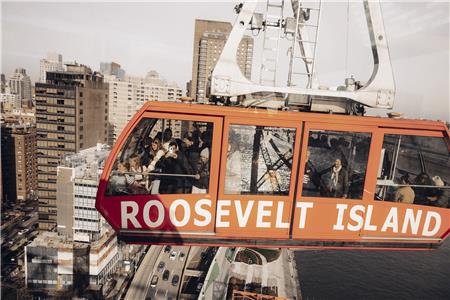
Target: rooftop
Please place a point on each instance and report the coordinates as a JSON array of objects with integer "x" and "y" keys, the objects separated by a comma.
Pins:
[{"x": 88, "y": 163}]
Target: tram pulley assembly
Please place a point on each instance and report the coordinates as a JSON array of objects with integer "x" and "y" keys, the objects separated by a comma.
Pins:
[{"x": 229, "y": 85}]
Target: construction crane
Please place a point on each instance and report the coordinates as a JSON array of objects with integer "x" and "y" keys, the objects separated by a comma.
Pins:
[{"x": 301, "y": 30}]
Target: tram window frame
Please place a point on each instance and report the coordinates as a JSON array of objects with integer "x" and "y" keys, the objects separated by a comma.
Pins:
[
  {"x": 370, "y": 171},
  {"x": 393, "y": 184},
  {"x": 229, "y": 121},
  {"x": 214, "y": 152}
]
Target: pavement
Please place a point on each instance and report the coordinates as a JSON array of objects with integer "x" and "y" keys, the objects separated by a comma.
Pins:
[{"x": 141, "y": 281}]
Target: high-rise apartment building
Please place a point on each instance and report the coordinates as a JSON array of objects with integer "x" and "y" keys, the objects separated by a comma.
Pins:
[
  {"x": 209, "y": 39},
  {"x": 19, "y": 162},
  {"x": 20, "y": 84},
  {"x": 52, "y": 63},
  {"x": 127, "y": 96},
  {"x": 71, "y": 115}
]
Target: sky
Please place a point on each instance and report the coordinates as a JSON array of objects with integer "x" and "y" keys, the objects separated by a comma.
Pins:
[{"x": 158, "y": 35}]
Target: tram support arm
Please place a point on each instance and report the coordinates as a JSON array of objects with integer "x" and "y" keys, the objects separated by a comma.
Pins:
[{"x": 227, "y": 80}]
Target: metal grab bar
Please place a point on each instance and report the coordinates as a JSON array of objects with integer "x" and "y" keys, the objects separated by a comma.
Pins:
[{"x": 152, "y": 173}]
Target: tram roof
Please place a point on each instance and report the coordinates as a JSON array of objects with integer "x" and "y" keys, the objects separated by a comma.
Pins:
[{"x": 383, "y": 122}]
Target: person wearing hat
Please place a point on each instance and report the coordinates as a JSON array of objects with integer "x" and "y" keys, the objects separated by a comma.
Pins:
[
  {"x": 405, "y": 194},
  {"x": 201, "y": 181}
]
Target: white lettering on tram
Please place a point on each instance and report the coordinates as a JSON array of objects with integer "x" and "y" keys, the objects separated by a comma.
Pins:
[
  {"x": 206, "y": 214},
  {"x": 303, "y": 210},
  {"x": 412, "y": 221},
  {"x": 173, "y": 210},
  {"x": 279, "y": 222},
  {"x": 146, "y": 214},
  {"x": 356, "y": 217},
  {"x": 367, "y": 225},
  {"x": 129, "y": 216},
  {"x": 339, "y": 223},
  {"x": 263, "y": 213},
  {"x": 242, "y": 217},
  {"x": 437, "y": 223},
  {"x": 221, "y": 212},
  {"x": 267, "y": 214},
  {"x": 391, "y": 221}
]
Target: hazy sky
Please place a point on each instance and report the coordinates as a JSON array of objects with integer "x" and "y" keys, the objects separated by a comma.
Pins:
[{"x": 159, "y": 36}]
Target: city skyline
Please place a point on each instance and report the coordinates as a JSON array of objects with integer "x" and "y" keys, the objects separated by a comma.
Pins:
[
  {"x": 158, "y": 36},
  {"x": 110, "y": 189}
]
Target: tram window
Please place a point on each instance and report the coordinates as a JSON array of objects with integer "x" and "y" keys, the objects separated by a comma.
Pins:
[
  {"x": 414, "y": 170},
  {"x": 259, "y": 160},
  {"x": 163, "y": 156},
  {"x": 336, "y": 164}
]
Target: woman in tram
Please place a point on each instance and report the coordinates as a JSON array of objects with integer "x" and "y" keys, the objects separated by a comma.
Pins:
[
  {"x": 137, "y": 182},
  {"x": 118, "y": 182},
  {"x": 201, "y": 182},
  {"x": 156, "y": 153},
  {"x": 338, "y": 186}
]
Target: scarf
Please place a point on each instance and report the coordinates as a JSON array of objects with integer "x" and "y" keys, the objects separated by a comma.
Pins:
[{"x": 335, "y": 176}]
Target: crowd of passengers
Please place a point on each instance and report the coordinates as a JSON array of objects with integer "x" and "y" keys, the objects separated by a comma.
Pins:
[
  {"x": 433, "y": 193},
  {"x": 421, "y": 190},
  {"x": 163, "y": 164}
]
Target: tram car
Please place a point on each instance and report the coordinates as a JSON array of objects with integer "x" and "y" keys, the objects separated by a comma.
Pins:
[{"x": 192, "y": 174}]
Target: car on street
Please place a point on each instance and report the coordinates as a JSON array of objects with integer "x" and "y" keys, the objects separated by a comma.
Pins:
[
  {"x": 161, "y": 266},
  {"x": 154, "y": 281},
  {"x": 173, "y": 255},
  {"x": 199, "y": 287},
  {"x": 167, "y": 248},
  {"x": 166, "y": 275},
  {"x": 182, "y": 256},
  {"x": 175, "y": 280}
]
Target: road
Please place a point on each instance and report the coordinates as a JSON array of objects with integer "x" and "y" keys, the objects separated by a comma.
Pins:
[
  {"x": 141, "y": 280},
  {"x": 174, "y": 264}
]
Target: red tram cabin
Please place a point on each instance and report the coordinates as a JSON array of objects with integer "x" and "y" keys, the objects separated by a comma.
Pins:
[{"x": 211, "y": 175}]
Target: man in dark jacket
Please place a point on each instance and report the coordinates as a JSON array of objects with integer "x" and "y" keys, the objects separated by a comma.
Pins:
[{"x": 173, "y": 163}]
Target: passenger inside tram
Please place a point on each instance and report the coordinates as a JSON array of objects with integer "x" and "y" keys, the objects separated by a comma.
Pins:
[
  {"x": 336, "y": 164},
  {"x": 414, "y": 170},
  {"x": 163, "y": 157}
]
